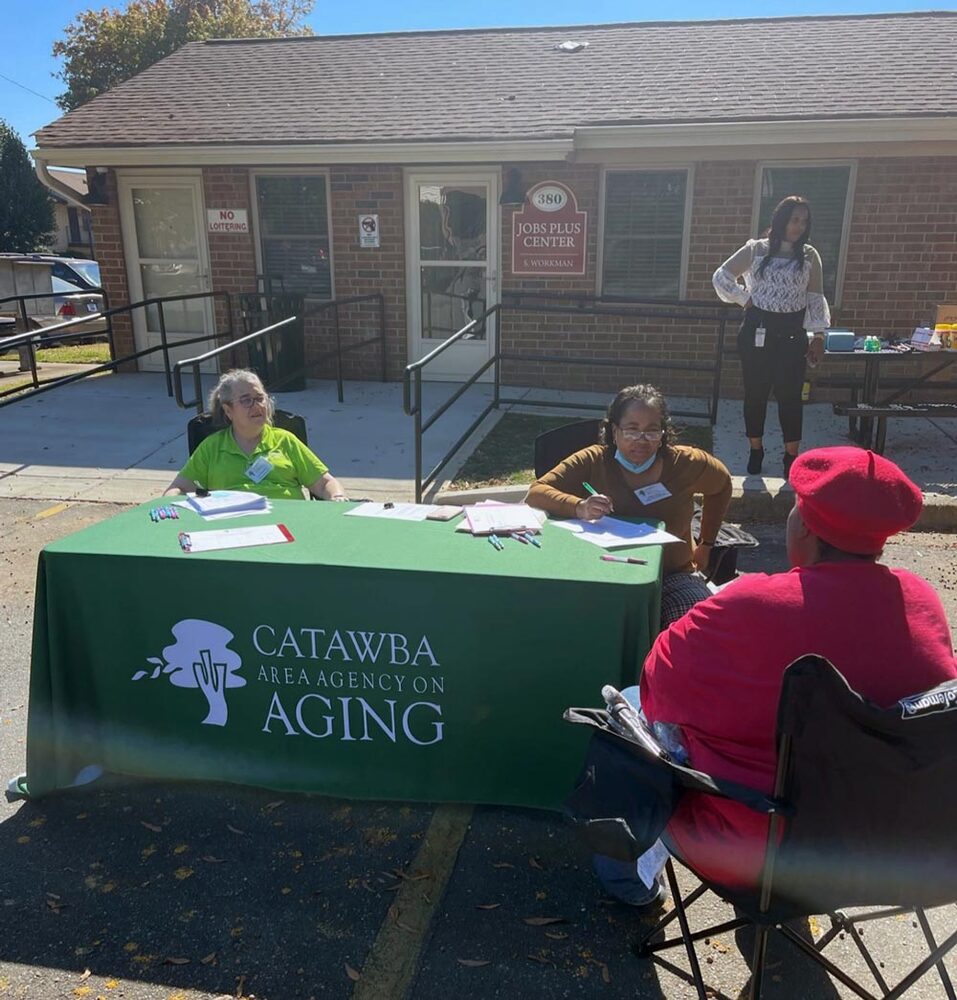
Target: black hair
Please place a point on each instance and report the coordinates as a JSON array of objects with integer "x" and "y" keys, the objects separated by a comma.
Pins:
[
  {"x": 776, "y": 231},
  {"x": 646, "y": 395}
]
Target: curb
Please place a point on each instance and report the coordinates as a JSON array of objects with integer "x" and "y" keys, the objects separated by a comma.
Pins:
[{"x": 754, "y": 499}]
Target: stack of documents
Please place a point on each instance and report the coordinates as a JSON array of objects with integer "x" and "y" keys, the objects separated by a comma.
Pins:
[
  {"x": 612, "y": 533},
  {"x": 500, "y": 519},
  {"x": 226, "y": 503}
]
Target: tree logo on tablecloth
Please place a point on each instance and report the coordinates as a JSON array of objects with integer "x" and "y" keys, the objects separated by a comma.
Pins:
[{"x": 200, "y": 658}]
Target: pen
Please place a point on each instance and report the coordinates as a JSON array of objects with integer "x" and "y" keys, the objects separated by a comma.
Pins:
[
  {"x": 519, "y": 537},
  {"x": 591, "y": 489},
  {"x": 495, "y": 543},
  {"x": 529, "y": 537},
  {"x": 624, "y": 559}
]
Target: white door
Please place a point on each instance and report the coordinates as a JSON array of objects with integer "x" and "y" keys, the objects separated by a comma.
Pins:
[
  {"x": 166, "y": 254},
  {"x": 452, "y": 256}
]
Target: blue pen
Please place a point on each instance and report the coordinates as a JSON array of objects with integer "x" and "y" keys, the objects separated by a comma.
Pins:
[
  {"x": 153, "y": 516},
  {"x": 495, "y": 543},
  {"x": 519, "y": 537},
  {"x": 533, "y": 540}
]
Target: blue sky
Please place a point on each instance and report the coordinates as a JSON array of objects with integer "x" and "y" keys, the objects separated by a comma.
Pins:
[{"x": 33, "y": 26}]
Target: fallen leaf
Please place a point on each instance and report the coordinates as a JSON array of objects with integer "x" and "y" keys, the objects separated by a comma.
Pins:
[
  {"x": 535, "y": 863},
  {"x": 286, "y": 890},
  {"x": 210, "y": 959},
  {"x": 176, "y": 961},
  {"x": 542, "y": 921},
  {"x": 502, "y": 864},
  {"x": 235, "y": 829},
  {"x": 487, "y": 906},
  {"x": 473, "y": 963},
  {"x": 151, "y": 826},
  {"x": 406, "y": 927},
  {"x": 270, "y": 806},
  {"x": 556, "y": 935},
  {"x": 540, "y": 959},
  {"x": 183, "y": 873},
  {"x": 85, "y": 975},
  {"x": 212, "y": 860},
  {"x": 353, "y": 974},
  {"x": 181, "y": 848},
  {"x": 23, "y": 840}
]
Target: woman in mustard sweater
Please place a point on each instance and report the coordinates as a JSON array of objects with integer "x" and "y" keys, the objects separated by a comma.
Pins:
[{"x": 639, "y": 471}]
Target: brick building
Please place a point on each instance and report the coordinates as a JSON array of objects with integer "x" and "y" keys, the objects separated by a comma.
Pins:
[{"x": 670, "y": 142}]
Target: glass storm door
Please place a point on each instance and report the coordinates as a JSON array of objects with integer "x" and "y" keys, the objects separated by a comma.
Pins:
[
  {"x": 166, "y": 254},
  {"x": 452, "y": 230}
]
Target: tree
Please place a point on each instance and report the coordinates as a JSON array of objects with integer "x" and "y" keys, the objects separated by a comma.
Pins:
[
  {"x": 26, "y": 209},
  {"x": 102, "y": 48}
]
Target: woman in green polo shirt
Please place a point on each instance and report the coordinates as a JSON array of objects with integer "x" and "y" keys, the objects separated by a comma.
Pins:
[{"x": 249, "y": 453}]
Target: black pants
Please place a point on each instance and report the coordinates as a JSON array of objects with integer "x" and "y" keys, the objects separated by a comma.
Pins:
[{"x": 778, "y": 366}]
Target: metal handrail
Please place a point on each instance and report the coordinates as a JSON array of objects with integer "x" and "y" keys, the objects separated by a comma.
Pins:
[
  {"x": 32, "y": 339},
  {"x": 209, "y": 355},
  {"x": 412, "y": 385},
  {"x": 334, "y": 304}
]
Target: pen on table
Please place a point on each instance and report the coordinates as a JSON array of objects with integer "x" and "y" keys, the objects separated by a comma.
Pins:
[
  {"x": 519, "y": 537},
  {"x": 495, "y": 543},
  {"x": 624, "y": 559},
  {"x": 530, "y": 537}
]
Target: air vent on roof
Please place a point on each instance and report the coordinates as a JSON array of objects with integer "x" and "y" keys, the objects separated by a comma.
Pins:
[{"x": 570, "y": 46}]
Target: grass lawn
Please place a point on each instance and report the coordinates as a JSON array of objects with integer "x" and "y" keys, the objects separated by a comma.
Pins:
[
  {"x": 506, "y": 456},
  {"x": 74, "y": 354}
]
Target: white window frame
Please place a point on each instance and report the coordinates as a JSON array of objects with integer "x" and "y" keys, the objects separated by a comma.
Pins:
[
  {"x": 689, "y": 170},
  {"x": 759, "y": 225},
  {"x": 257, "y": 232}
]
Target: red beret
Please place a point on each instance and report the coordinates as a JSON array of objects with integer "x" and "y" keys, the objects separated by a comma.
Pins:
[{"x": 853, "y": 499}]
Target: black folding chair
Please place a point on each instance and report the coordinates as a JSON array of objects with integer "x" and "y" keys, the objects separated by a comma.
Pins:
[
  {"x": 201, "y": 426},
  {"x": 868, "y": 805},
  {"x": 554, "y": 446}
]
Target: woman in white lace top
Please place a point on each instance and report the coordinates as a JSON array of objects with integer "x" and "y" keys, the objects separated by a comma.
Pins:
[{"x": 783, "y": 299}]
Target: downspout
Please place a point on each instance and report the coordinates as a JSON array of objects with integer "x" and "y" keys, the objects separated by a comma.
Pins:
[{"x": 60, "y": 189}]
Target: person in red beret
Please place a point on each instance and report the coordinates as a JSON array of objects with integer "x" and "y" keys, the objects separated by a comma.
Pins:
[{"x": 716, "y": 673}]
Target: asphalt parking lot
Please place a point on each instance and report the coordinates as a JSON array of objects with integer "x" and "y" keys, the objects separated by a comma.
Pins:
[{"x": 153, "y": 891}]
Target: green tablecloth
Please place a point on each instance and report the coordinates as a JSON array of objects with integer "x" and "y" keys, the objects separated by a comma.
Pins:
[{"x": 368, "y": 658}]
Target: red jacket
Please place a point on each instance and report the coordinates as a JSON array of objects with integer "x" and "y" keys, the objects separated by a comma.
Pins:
[{"x": 717, "y": 673}]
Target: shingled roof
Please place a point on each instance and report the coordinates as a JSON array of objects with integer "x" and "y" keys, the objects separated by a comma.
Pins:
[{"x": 515, "y": 84}]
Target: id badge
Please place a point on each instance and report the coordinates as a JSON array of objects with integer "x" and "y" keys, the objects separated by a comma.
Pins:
[
  {"x": 652, "y": 493},
  {"x": 259, "y": 469},
  {"x": 759, "y": 334}
]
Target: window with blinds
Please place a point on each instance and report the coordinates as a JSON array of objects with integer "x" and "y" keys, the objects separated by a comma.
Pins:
[
  {"x": 826, "y": 188},
  {"x": 644, "y": 228},
  {"x": 294, "y": 233}
]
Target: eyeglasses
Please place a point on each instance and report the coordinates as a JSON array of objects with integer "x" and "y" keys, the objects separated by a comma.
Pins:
[
  {"x": 248, "y": 400},
  {"x": 631, "y": 435}
]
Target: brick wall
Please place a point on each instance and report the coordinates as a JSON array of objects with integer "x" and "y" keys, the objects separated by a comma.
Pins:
[
  {"x": 901, "y": 259},
  {"x": 232, "y": 256},
  {"x": 108, "y": 241}
]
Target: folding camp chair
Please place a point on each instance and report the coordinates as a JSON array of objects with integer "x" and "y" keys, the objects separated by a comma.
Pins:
[
  {"x": 554, "y": 446},
  {"x": 863, "y": 814}
]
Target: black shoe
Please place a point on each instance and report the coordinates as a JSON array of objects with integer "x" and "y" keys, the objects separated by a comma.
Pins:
[
  {"x": 788, "y": 462},
  {"x": 754, "y": 461}
]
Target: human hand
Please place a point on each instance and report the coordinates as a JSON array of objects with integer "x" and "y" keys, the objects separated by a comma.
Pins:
[
  {"x": 815, "y": 350},
  {"x": 593, "y": 507},
  {"x": 701, "y": 556},
  {"x": 339, "y": 498}
]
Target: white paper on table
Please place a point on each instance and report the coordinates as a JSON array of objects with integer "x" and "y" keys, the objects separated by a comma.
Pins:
[
  {"x": 224, "y": 516},
  {"x": 540, "y": 516},
  {"x": 397, "y": 512},
  {"x": 221, "y": 501},
  {"x": 486, "y": 519},
  {"x": 610, "y": 532},
  {"x": 234, "y": 538}
]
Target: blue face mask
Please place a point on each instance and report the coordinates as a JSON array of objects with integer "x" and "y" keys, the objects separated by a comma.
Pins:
[{"x": 631, "y": 466}]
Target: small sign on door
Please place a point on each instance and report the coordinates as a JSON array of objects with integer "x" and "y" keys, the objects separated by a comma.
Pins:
[
  {"x": 227, "y": 220},
  {"x": 369, "y": 231}
]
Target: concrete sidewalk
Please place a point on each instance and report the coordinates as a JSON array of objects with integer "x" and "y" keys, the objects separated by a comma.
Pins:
[{"x": 120, "y": 438}]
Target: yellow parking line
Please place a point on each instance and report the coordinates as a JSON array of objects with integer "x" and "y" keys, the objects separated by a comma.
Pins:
[
  {"x": 50, "y": 511},
  {"x": 391, "y": 963}
]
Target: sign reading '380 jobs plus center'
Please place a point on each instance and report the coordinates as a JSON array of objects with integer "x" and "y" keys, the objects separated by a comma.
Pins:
[{"x": 549, "y": 233}]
